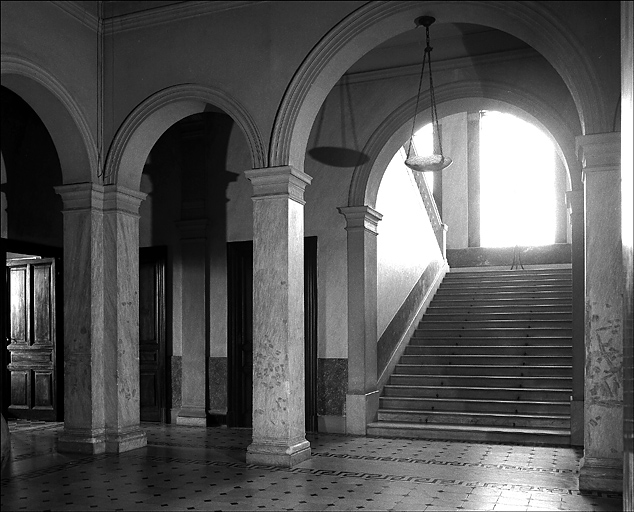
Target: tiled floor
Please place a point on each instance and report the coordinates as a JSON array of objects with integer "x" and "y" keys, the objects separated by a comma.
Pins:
[{"x": 188, "y": 468}]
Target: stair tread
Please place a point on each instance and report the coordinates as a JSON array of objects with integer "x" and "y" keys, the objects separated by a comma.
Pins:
[
  {"x": 473, "y": 413},
  {"x": 450, "y": 426},
  {"x": 475, "y": 400},
  {"x": 483, "y": 388}
]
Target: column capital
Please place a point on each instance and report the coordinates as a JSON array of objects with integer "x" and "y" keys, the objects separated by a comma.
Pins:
[
  {"x": 599, "y": 152},
  {"x": 81, "y": 196},
  {"x": 361, "y": 217},
  {"x": 284, "y": 181},
  {"x": 574, "y": 201},
  {"x": 124, "y": 200}
]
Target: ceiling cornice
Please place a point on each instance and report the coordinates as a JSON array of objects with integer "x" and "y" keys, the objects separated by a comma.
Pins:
[
  {"x": 86, "y": 18},
  {"x": 439, "y": 66},
  {"x": 170, "y": 13}
]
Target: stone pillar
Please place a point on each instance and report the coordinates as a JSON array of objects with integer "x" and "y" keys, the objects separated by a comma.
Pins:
[
  {"x": 362, "y": 399},
  {"x": 101, "y": 317},
  {"x": 84, "y": 393},
  {"x": 121, "y": 318},
  {"x": 574, "y": 201},
  {"x": 194, "y": 328},
  {"x": 279, "y": 435},
  {"x": 602, "y": 465}
]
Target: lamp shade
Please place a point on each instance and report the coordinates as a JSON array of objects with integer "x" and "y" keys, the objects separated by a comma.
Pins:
[{"x": 428, "y": 163}]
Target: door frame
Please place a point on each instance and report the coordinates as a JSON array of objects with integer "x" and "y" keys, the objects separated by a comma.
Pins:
[{"x": 45, "y": 251}]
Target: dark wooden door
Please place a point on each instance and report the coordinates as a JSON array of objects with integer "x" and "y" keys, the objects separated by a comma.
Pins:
[
  {"x": 152, "y": 334},
  {"x": 32, "y": 340},
  {"x": 240, "y": 332}
]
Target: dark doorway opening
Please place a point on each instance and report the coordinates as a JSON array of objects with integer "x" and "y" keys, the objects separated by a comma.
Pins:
[
  {"x": 240, "y": 332},
  {"x": 152, "y": 334}
]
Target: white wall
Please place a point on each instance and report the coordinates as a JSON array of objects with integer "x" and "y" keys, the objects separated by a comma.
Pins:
[{"x": 406, "y": 240}]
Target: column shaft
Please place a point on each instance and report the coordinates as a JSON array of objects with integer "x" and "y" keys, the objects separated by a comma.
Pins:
[
  {"x": 279, "y": 436},
  {"x": 194, "y": 327},
  {"x": 121, "y": 316},
  {"x": 362, "y": 399},
  {"x": 602, "y": 466}
]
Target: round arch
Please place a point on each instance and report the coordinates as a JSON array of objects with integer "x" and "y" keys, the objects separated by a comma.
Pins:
[
  {"x": 63, "y": 118},
  {"x": 150, "y": 119},
  {"x": 394, "y": 131},
  {"x": 376, "y": 22}
]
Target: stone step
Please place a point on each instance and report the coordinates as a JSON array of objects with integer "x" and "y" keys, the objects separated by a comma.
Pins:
[
  {"x": 468, "y": 280},
  {"x": 488, "y": 359},
  {"x": 557, "y": 421},
  {"x": 433, "y": 323},
  {"x": 545, "y": 370},
  {"x": 494, "y": 381},
  {"x": 499, "y": 341},
  {"x": 507, "y": 350},
  {"x": 483, "y": 434},
  {"x": 510, "y": 407},
  {"x": 511, "y": 274},
  {"x": 505, "y": 309},
  {"x": 504, "y": 288},
  {"x": 477, "y": 393},
  {"x": 471, "y": 316},
  {"x": 516, "y": 332},
  {"x": 451, "y": 301},
  {"x": 491, "y": 294}
]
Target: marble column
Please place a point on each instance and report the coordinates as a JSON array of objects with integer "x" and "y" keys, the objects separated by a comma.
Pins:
[
  {"x": 602, "y": 465},
  {"x": 362, "y": 399},
  {"x": 279, "y": 436},
  {"x": 121, "y": 318},
  {"x": 101, "y": 316},
  {"x": 574, "y": 201},
  {"x": 193, "y": 409},
  {"x": 84, "y": 393}
]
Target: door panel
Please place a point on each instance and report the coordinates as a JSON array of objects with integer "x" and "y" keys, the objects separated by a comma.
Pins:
[
  {"x": 32, "y": 339},
  {"x": 152, "y": 334}
]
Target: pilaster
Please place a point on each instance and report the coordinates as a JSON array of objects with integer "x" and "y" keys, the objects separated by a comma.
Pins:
[
  {"x": 574, "y": 202},
  {"x": 193, "y": 234},
  {"x": 279, "y": 436},
  {"x": 602, "y": 466},
  {"x": 362, "y": 399}
]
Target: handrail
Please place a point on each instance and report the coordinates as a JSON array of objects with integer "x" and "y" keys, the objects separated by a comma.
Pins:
[{"x": 440, "y": 229}]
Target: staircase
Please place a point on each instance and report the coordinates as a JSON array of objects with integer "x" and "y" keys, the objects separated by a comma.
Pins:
[{"x": 491, "y": 360}]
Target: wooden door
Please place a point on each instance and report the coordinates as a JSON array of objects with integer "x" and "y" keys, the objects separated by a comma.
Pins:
[
  {"x": 152, "y": 333},
  {"x": 32, "y": 334},
  {"x": 240, "y": 332}
]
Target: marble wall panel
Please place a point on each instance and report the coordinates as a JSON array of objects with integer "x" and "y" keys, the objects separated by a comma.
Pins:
[
  {"x": 176, "y": 365},
  {"x": 217, "y": 368},
  {"x": 332, "y": 384}
]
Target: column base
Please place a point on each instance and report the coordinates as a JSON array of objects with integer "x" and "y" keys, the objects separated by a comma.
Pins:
[
  {"x": 274, "y": 453},
  {"x": 126, "y": 440},
  {"x": 576, "y": 422},
  {"x": 361, "y": 410},
  {"x": 192, "y": 417},
  {"x": 85, "y": 441},
  {"x": 601, "y": 474}
]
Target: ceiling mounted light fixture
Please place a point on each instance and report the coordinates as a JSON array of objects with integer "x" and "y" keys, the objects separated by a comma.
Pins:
[{"x": 435, "y": 162}]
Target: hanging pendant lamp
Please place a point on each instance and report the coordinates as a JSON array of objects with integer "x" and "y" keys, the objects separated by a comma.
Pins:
[{"x": 435, "y": 162}]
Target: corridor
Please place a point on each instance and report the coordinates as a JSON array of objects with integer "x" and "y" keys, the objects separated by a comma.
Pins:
[{"x": 190, "y": 468}]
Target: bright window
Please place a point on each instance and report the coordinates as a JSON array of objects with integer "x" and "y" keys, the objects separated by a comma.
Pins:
[{"x": 517, "y": 183}]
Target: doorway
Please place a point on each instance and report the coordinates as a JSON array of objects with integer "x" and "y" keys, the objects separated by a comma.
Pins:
[
  {"x": 240, "y": 332},
  {"x": 152, "y": 334},
  {"x": 31, "y": 318}
]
